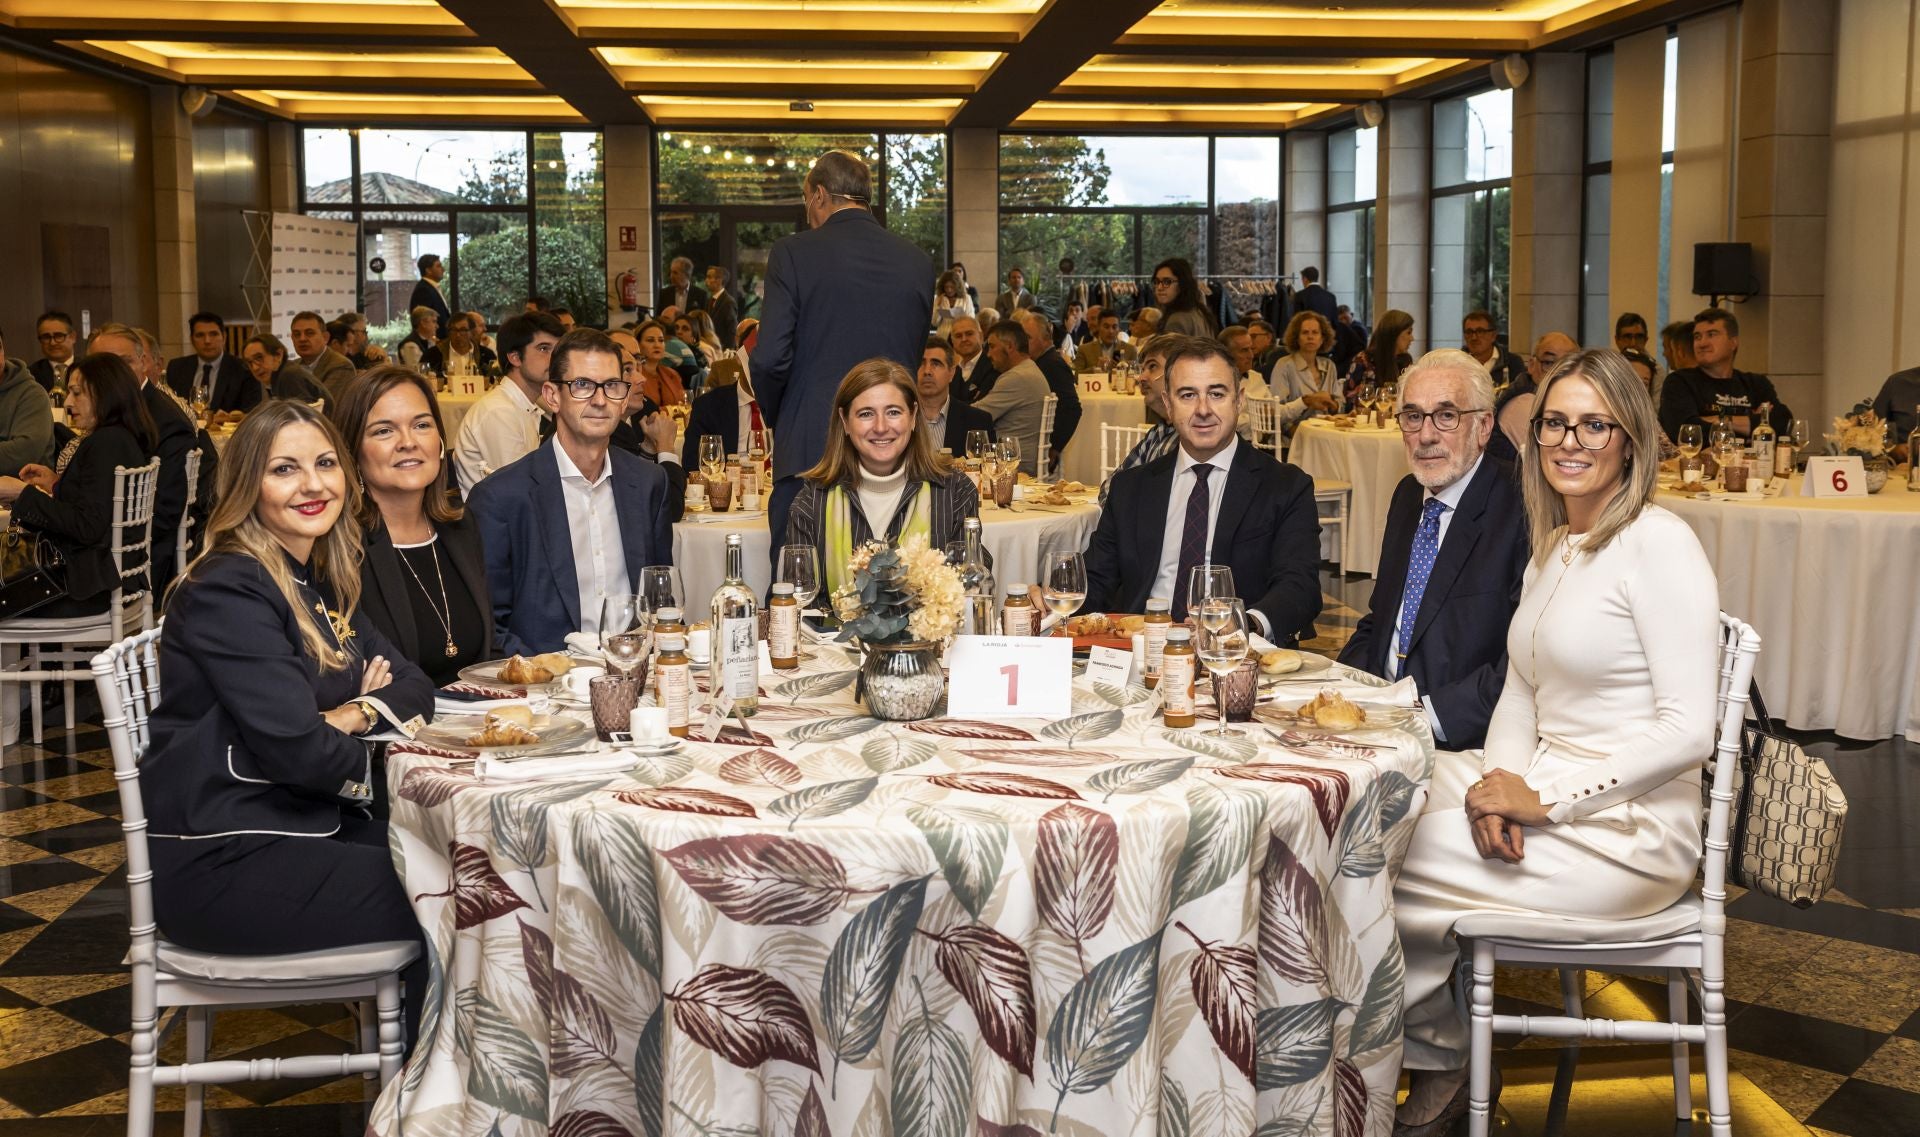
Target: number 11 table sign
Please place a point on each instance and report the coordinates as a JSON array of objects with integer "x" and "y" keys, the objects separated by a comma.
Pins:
[{"x": 1001, "y": 676}]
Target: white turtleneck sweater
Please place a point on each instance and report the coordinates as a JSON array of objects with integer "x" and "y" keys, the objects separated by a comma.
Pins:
[{"x": 880, "y": 496}]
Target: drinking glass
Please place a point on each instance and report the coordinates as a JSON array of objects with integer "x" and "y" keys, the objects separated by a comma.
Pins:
[
  {"x": 1223, "y": 642},
  {"x": 713, "y": 456},
  {"x": 1008, "y": 451},
  {"x": 660, "y": 587},
  {"x": 625, "y": 626},
  {"x": 799, "y": 566},
  {"x": 1802, "y": 434},
  {"x": 1689, "y": 440},
  {"x": 977, "y": 443},
  {"x": 1207, "y": 582},
  {"x": 1064, "y": 585}
]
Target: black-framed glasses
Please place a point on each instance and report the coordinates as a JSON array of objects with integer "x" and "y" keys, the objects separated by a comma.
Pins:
[
  {"x": 1445, "y": 419},
  {"x": 1591, "y": 434},
  {"x": 1476, "y": 331},
  {"x": 1167, "y": 281},
  {"x": 583, "y": 389},
  {"x": 53, "y": 337}
]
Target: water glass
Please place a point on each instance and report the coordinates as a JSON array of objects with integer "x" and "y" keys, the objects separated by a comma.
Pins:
[
  {"x": 612, "y": 698},
  {"x": 1064, "y": 585}
]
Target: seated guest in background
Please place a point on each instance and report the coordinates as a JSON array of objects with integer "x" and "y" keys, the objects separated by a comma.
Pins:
[
  {"x": 1712, "y": 391},
  {"x": 659, "y": 380},
  {"x": 722, "y": 307},
  {"x": 1586, "y": 800},
  {"x": 332, "y": 370},
  {"x": 174, "y": 435},
  {"x": 950, "y": 301},
  {"x": 1386, "y": 354},
  {"x": 1060, "y": 378},
  {"x": 279, "y": 374},
  {"x": 1145, "y": 322},
  {"x": 1480, "y": 340},
  {"x": 1630, "y": 333},
  {"x": 1643, "y": 366},
  {"x": 459, "y": 355},
  {"x": 1215, "y": 499},
  {"x": 1073, "y": 327},
  {"x": 1177, "y": 293},
  {"x": 211, "y": 368},
  {"x": 58, "y": 342},
  {"x": 534, "y": 304},
  {"x": 1676, "y": 345},
  {"x": 973, "y": 371},
  {"x": 685, "y": 332},
  {"x": 1019, "y": 392},
  {"x": 1239, "y": 345},
  {"x": 1898, "y": 405},
  {"x": 424, "y": 580},
  {"x": 944, "y": 415},
  {"x": 645, "y": 431},
  {"x": 1105, "y": 349},
  {"x": 1514, "y": 410},
  {"x": 257, "y": 783},
  {"x": 1304, "y": 380},
  {"x": 26, "y": 417},
  {"x": 363, "y": 354},
  {"x": 503, "y": 425},
  {"x": 425, "y": 333},
  {"x": 104, "y": 405},
  {"x": 1349, "y": 339},
  {"x": 1014, "y": 296},
  {"x": 1160, "y": 438},
  {"x": 1453, "y": 557},
  {"x": 576, "y": 519},
  {"x": 709, "y": 340},
  {"x": 564, "y": 315},
  {"x": 480, "y": 334},
  {"x": 1267, "y": 348},
  {"x": 727, "y": 408},
  {"x": 879, "y": 478}
]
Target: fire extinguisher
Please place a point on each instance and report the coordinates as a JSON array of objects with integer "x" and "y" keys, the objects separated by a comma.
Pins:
[{"x": 628, "y": 285}]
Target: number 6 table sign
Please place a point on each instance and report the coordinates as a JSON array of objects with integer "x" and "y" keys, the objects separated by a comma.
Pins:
[
  {"x": 1831, "y": 476},
  {"x": 1003, "y": 676}
]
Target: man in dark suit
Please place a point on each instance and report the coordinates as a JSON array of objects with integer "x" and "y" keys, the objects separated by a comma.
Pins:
[
  {"x": 231, "y": 386},
  {"x": 576, "y": 519},
  {"x": 176, "y": 433},
  {"x": 973, "y": 371},
  {"x": 680, "y": 292},
  {"x": 329, "y": 368},
  {"x": 1214, "y": 499},
  {"x": 722, "y": 308},
  {"x": 57, "y": 345},
  {"x": 1453, "y": 558},
  {"x": 944, "y": 414},
  {"x": 426, "y": 290},
  {"x": 842, "y": 291},
  {"x": 730, "y": 410},
  {"x": 1312, "y": 297}
]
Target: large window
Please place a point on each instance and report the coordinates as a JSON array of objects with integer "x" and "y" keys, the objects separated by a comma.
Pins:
[
  {"x": 1472, "y": 208},
  {"x": 1596, "y": 226},
  {"x": 1352, "y": 182},
  {"x": 512, "y": 212},
  {"x": 1669, "y": 112}
]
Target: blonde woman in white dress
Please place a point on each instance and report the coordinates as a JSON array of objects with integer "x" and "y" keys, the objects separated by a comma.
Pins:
[{"x": 1586, "y": 801}]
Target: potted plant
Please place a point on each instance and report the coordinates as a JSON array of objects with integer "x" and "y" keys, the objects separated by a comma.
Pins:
[
  {"x": 1864, "y": 434},
  {"x": 901, "y": 607}
]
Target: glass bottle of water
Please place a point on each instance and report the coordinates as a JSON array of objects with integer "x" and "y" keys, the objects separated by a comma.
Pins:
[
  {"x": 976, "y": 582},
  {"x": 736, "y": 630},
  {"x": 1763, "y": 439}
]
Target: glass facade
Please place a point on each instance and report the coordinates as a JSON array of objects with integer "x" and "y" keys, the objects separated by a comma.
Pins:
[
  {"x": 1471, "y": 238},
  {"x": 1352, "y": 183},
  {"x": 1596, "y": 224}
]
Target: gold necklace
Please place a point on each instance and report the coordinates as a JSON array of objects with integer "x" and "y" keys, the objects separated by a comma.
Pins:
[{"x": 446, "y": 617}]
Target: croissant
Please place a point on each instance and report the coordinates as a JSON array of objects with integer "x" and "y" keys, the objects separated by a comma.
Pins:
[
  {"x": 554, "y": 661},
  {"x": 519, "y": 669},
  {"x": 498, "y": 731},
  {"x": 1333, "y": 710}
]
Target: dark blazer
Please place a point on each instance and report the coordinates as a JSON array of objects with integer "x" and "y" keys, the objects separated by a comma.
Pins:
[
  {"x": 726, "y": 318},
  {"x": 383, "y": 585},
  {"x": 238, "y": 742},
  {"x": 696, "y": 298},
  {"x": 434, "y": 360},
  {"x": 177, "y": 435},
  {"x": 1458, "y": 653},
  {"x": 78, "y": 517},
  {"x": 1268, "y": 534},
  {"x": 976, "y": 385},
  {"x": 962, "y": 417},
  {"x": 294, "y": 381},
  {"x": 42, "y": 372},
  {"x": 1315, "y": 298},
  {"x": 331, "y": 371},
  {"x": 426, "y": 295},
  {"x": 714, "y": 411},
  {"x": 234, "y": 387},
  {"x": 1065, "y": 386},
  {"x": 522, "y": 514},
  {"x": 836, "y": 295}
]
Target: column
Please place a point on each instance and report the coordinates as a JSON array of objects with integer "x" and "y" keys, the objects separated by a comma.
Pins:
[
  {"x": 283, "y": 167},
  {"x": 176, "y": 256},
  {"x": 1549, "y": 110},
  {"x": 1401, "y": 222},
  {"x": 1703, "y": 149},
  {"x": 627, "y": 162},
  {"x": 974, "y": 170},
  {"x": 1633, "y": 246},
  {"x": 1785, "y": 123},
  {"x": 1306, "y": 221}
]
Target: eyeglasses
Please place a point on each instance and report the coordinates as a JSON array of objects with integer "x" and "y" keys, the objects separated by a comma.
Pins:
[
  {"x": 1164, "y": 280},
  {"x": 1476, "y": 331},
  {"x": 1445, "y": 419},
  {"x": 52, "y": 337},
  {"x": 1591, "y": 434},
  {"x": 584, "y": 389}
]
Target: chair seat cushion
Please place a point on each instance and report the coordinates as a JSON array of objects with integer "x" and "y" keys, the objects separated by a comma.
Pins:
[
  {"x": 359, "y": 961},
  {"x": 1679, "y": 918}
]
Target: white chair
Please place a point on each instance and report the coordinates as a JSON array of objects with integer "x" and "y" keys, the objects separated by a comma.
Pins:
[
  {"x": 1686, "y": 942},
  {"x": 1332, "y": 499},
  {"x": 183, "y": 538},
  {"x": 1042, "y": 461},
  {"x": 127, "y": 676},
  {"x": 1116, "y": 442},
  {"x": 1267, "y": 432},
  {"x": 74, "y": 639}
]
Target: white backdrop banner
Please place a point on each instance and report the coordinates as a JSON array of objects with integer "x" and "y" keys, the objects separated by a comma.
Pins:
[{"x": 312, "y": 268}]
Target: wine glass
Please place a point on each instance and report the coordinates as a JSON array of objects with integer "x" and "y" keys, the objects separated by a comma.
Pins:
[
  {"x": 977, "y": 443},
  {"x": 799, "y": 566},
  {"x": 1223, "y": 642},
  {"x": 713, "y": 456},
  {"x": 1689, "y": 440},
  {"x": 660, "y": 587},
  {"x": 1801, "y": 434},
  {"x": 1064, "y": 584},
  {"x": 625, "y": 627},
  {"x": 1207, "y": 582},
  {"x": 1008, "y": 451}
]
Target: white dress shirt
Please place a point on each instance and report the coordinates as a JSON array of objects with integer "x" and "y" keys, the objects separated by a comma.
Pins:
[
  {"x": 934, "y": 422},
  {"x": 593, "y": 523},
  {"x": 1184, "y": 480},
  {"x": 500, "y": 429},
  {"x": 965, "y": 366},
  {"x": 206, "y": 372},
  {"x": 1450, "y": 498}
]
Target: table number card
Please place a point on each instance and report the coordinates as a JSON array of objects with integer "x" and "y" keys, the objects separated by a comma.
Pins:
[
  {"x": 1093, "y": 382},
  {"x": 1830, "y": 476},
  {"x": 1002, "y": 676}
]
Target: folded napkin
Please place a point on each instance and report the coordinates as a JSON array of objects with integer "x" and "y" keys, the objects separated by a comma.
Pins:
[
  {"x": 585, "y": 643},
  {"x": 730, "y": 515},
  {"x": 491, "y": 769},
  {"x": 475, "y": 698},
  {"x": 1399, "y": 694}
]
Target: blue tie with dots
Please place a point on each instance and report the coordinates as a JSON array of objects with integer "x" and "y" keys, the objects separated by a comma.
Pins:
[{"x": 1426, "y": 546}]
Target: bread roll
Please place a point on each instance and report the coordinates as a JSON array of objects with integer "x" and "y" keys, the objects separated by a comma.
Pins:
[
  {"x": 1279, "y": 661},
  {"x": 557, "y": 662}
]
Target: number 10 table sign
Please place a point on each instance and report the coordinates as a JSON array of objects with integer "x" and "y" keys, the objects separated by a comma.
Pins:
[{"x": 1002, "y": 676}]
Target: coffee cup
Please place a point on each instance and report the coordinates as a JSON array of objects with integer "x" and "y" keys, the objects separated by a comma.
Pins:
[
  {"x": 649, "y": 724},
  {"x": 578, "y": 678}
]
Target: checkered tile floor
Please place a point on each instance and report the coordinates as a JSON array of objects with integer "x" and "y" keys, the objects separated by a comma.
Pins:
[{"x": 1825, "y": 1015}]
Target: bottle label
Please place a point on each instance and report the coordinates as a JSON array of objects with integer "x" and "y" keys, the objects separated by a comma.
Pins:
[
  {"x": 1017, "y": 620},
  {"x": 740, "y": 658},
  {"x": 783, "y": 630},
  {"x": 673, "y": 684},
  {"x": 1176, "y": 684},
  {"x": 1782, "y": 459},
  {"x": 1763, "y": 449},
  {"x": 1156, "y": 634}
]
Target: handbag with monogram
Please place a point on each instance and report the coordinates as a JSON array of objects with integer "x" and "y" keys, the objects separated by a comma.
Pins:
[
  {"x": 33, "y": 573},
  {"x": 1789, "y": 814}
]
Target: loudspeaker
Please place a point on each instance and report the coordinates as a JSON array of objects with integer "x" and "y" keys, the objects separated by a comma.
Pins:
[{"x": 1723, "y": 269}]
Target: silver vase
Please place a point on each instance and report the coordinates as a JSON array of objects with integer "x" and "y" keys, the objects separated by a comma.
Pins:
[{"x": 902, "y": 682}]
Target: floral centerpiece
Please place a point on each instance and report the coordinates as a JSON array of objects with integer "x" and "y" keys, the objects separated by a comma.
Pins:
[
  {"x": 1864, "y": 434},
  {"x": 901, "y": 605}
]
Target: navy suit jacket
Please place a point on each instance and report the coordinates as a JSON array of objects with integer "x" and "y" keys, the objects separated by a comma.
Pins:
[
  {"x": 961, "y": 418},
  {"x": 1458, "y": 653},
  {"x": 714, "y": 411},
  {"x": 234, "y": 387},
  {"x": 836, "y": 295},
  {"x": 1315, "y": 298},
  {"x": 1268, "y": 532},
  {"x": 522, "y": 513}
]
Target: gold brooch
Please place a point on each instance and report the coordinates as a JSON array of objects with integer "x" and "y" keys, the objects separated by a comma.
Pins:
[{"x": 342, "y": 630}]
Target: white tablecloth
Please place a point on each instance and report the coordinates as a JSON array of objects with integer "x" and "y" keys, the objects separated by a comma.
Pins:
[
  {"x": 1374, "y": 461},
  {"x": 1830, "y": 586},
  {"x": 454, "y": 406},
  {"x": 1082, "y": 459},
  {"x": 1018, "y": 542}
]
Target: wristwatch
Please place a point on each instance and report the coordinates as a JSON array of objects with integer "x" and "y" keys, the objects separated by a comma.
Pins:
[{"x": 368, "y": 709}]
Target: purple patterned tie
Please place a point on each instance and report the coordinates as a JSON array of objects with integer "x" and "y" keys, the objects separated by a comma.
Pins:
[{"x": 1193, "y": 538}]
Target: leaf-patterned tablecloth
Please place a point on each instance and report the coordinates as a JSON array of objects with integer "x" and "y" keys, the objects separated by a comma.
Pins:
[{"x": 839, "y": 927}]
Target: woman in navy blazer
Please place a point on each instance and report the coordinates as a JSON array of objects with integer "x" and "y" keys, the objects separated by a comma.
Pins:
[{"x": 256, "y": 782}]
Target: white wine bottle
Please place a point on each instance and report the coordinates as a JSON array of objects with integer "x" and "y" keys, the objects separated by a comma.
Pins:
[{"x": 736, "y": 630}]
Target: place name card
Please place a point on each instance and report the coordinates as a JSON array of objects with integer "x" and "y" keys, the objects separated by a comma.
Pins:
[
  {"x": 1834, "y": 476},
  {"x": 1110, "y": 665},
  {"x": 1001, "y": 676}
]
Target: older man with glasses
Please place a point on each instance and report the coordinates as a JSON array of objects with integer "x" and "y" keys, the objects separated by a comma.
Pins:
[
  {"x": 1453, "y": 557},
  {"x": 1481, "y": 341}
]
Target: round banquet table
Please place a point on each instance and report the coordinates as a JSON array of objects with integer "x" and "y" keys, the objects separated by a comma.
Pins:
[
  {"x": 1081, "y": 462},
  {"x": 1019, "y": 543},
  {"x": 1374, "y": 461},
  {"x": 1829, "y": 584},
  {"x": 454, "y": 406},
  {"x": 837, "y": 925}
]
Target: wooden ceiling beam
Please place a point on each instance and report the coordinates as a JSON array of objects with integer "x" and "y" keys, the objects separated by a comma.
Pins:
[
  {"x": 1058, "y": 43},
  {"x": 537, "y": 35}
]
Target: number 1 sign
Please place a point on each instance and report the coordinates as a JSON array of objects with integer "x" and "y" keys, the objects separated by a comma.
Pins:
[{"x": 1010, "y": 676}]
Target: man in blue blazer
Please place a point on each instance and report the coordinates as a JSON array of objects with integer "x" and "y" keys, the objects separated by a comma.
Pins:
[
  {"x": 843, "y": 291},
  {"x": 1456, "y": 563},
  {"x": 576, "y": 519},
  {"x": 1214, "y": 499}
]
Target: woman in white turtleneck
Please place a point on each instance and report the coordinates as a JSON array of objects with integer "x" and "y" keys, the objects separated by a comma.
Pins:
[{"x": 880, "y": 477}]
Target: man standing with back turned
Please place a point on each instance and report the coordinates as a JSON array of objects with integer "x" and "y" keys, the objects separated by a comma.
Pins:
[{"x": 843, "y": 291}]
